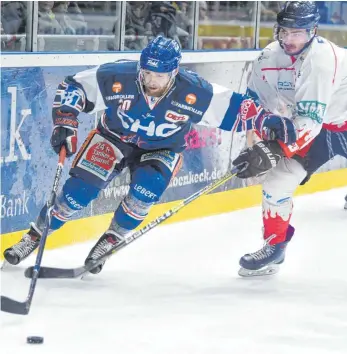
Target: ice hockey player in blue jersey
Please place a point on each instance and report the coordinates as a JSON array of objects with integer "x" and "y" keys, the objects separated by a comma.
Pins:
[{"x": 149, "y": 106}]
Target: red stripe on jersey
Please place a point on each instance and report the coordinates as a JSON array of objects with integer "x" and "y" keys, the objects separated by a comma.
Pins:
[
  {"x": 335, "y": 62},
  {"x": 277, "y": 69},
  {"x": 335, "y": 127}
]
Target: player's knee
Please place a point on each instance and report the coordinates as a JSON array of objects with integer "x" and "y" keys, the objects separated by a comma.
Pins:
[
  {"x": 276, "y": 199},
  {"x": 74, "y": 196},
  {"x": 147, "y": 186}
]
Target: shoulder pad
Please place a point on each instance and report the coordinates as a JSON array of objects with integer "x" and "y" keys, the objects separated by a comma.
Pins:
[
  {"x": 119, "y": 67},
  {"x": 192, "y": 79}
]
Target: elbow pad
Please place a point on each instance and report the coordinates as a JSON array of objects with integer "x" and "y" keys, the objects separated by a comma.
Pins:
[{"x": 69, "y": 101}]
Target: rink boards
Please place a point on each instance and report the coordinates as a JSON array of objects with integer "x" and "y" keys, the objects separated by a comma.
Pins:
[{"x": 28, "y": 163}]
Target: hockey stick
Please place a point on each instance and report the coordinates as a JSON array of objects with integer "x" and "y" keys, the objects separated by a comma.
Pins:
[
  {"x": 48, "y": 272},
  {"x": 23, "y": 308}
]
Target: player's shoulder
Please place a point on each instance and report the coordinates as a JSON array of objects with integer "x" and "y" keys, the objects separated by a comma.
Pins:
[
  {"x": 192, "y": 81},
  {"x": 268, "y": 56},
  {"x": 324, "y": 54},
  {"x": 323, "y": 48},
  {"x": 123, "y": 67}
]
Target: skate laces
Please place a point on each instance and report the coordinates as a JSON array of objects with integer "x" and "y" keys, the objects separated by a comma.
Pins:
[
  {"x": 103, "y": 247},
  {"x": 265, "y": 251},
  {"x": 25, "y": 246}
]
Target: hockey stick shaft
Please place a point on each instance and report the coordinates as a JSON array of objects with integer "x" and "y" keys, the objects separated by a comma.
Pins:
[
  {"x": 47, "y": 272},
  {"x": 209, "y": 188},
  {"x": 23, "y": 308}
]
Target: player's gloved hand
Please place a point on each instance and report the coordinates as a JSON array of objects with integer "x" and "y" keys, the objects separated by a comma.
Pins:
[
  {"x": 65, "y": 129},
  {"x": 270, "y": 126},
  {"x": 273, "y": 127},
  {"x": 258, "y": 159},
  {"x": 64, "y": 136}
]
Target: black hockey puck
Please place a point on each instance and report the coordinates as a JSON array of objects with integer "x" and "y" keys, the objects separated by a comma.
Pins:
[{"x": 34, "y": 340}]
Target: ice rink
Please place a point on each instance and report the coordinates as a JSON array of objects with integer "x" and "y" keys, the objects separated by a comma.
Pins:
[{"x": 176, "y": 291}]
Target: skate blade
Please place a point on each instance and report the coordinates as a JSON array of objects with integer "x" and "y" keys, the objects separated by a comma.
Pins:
[
  {"x": 4, "y": 265},
  {"x": 267, "y": 270}
]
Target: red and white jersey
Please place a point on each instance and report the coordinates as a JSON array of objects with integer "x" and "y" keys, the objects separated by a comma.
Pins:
[{"x": 310, "y": 88}]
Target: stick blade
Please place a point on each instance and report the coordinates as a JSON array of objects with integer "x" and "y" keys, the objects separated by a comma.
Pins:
[
  {"x": 13, "y": 306},
  {"x": 56, "y": 273}
]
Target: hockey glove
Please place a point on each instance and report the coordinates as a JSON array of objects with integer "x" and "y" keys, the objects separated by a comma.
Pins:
[
  {"x": 65, "y": 130},
  {"x": 64, "y": 136},
  {"x": 258, "y": 159},
  {"x": 273, "y": 127}
]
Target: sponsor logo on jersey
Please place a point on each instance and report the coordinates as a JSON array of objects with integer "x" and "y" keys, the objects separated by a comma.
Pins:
[
  {"x": 285, "y": 85},
  {"x": 167, "y": 157},
  {"x": 191, "y": 98},
  {"x": 311, "y": 109},
  {"x": 249, "y": 109},
  {"x": 100, "y": 157},
  {"x": 175, "y": 117},
  {"x": 153, "y": 62},
  {"x": 150, "y": 128},
  {"x": 117, "y": 87},
  {"x": 119, "y": 97},
  {"x": 186, "y": 108},
  {"x": 262, "y": 56}
]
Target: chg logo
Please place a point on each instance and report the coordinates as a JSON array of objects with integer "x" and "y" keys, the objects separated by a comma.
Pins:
[{"x": 311, "y": 109}]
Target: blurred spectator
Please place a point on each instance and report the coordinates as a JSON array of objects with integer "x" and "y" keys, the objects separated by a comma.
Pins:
[
  {"x": 13, "y": 16},
  {"x": 48, "y": 23},
  {"x": 323, "y": 12},
  {"x": 336, "y": 19},
  {"x": 184, "y": 21},
  {"x": 203, "y": 11},
  {"x": 69, "y": 17},
  {"x": 13, "y": 22},
  {"x": 163, "y": 21},
  {"x": 144, "y": 21},
  {"x": 269, "y": 10},
  {"x": 137, "y": 30}
]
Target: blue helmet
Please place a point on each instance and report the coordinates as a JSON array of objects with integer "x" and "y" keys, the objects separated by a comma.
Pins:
[
  {"x": 161, "y": 55},
  {"x": 299, "y": 14}
]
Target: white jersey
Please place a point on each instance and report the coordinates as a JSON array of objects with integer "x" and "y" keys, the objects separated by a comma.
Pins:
[{"x": 311, "y": 88}]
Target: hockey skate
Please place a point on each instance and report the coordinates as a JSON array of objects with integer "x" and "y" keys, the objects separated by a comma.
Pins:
[
  {"x": 22, "y": 249},
  {"x": 265, "y": 261},
  {"x": 108, "y": 240}
]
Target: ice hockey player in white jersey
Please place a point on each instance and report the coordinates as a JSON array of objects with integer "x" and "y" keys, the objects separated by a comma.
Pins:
[{"x": 302, "y": 78}]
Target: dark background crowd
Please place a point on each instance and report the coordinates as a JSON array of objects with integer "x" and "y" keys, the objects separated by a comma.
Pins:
[{"x": 95, "y": 25}]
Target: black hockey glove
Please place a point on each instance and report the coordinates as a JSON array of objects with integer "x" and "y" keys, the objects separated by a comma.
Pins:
[
  {"x": 64, "y": 136},
  {"x": 65, "y": 130},
  {"x": 258, "y": 159}
]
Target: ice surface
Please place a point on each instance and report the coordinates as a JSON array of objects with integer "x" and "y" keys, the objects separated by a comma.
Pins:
[{"x": 176, "y": 291}]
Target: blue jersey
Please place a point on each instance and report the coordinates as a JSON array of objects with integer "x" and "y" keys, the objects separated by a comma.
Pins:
[{"x": 130, "y": 115}]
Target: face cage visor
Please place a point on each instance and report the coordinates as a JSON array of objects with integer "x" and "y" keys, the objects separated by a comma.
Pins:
[
  {"x": 302, "y": 38},
  {"x": 162, "y": 82}
]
